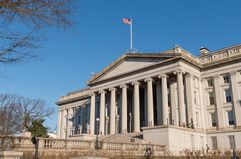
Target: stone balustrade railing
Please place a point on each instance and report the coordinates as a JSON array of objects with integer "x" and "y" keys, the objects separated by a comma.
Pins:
[
  {"x": 23, "y": 143},
  {"x": 219, "y": 55}
]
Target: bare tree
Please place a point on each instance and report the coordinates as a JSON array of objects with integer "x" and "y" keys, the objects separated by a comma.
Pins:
[
  {"x": 17, "y": 113},
  {"x": 22, "y": 20}
]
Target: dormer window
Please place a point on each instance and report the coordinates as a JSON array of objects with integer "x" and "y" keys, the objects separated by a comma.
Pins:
[{"x": 226, "y": 79}]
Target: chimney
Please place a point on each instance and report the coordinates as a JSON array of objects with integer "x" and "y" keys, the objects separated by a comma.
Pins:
[{"x": 203, "y": 50}]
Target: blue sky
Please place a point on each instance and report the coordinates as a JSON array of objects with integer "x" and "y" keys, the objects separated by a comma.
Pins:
[{"x": 98, "y": 37}]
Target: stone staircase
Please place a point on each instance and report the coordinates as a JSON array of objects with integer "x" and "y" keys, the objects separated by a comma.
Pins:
[{"x": 123, "y": 138}]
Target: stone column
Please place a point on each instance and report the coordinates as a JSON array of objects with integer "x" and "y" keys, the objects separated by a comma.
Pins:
[
  {"x": 67, "y": 123},
  {"x": 218, "y": 100},
  {"x": 235, "y": 97},
  {"x": 136, "y": 107},
  {"x": 102, "y": 113},
  {"x": 71, "y": 112},
  {"x": 190, "y": 99},
  {"x": 112, "y": 111},
  {"x": 124, "y": 109},
  {"x": 62, "y": 133},
  {"x": 158, "y": 102},
  {"x": 202, "y": 104},
  {"x": 145, "y": 106},
  {"x": 173, "y": 93},
  {"x": 150, "y": 116},
  {"x": 92, "y": 114},
  {"x": 180, "y": 89},
  {"x": 59, "y": 122},
  {"x": 165, "y": 116}
]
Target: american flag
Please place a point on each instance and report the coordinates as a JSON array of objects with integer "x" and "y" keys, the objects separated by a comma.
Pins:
[{"x": 126, "y": 20}]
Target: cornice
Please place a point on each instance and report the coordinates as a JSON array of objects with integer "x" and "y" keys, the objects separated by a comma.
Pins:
[{"x": 71, "y": 100}]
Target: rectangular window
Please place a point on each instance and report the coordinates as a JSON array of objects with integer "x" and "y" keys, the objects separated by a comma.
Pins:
[
  {"x": 211, "y": 98},
  {"x": 214, "y": 142},
  {"x": 213, "y": 119},
  {"x": 226, "y": 79},
  {"x": 210, "y": 82},
  {"x": 230, "y": 118},
  {"x": 228, "y": 96},
  {"x": 231, "y": 141}
]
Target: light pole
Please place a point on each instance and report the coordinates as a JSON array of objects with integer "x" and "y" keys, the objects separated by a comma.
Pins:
[
  {"x": 97, "y": 146},
  {"x": 130, "y": 121}
]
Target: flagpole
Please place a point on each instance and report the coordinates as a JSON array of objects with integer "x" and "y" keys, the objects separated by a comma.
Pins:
[{"x": 131, "y": 34}]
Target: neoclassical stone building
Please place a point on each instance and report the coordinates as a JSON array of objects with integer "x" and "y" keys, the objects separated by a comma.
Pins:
[{"x": 172, "y": 98}]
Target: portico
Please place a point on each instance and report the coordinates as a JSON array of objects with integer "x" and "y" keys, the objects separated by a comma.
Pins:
[{"x": 130, "y": 110}]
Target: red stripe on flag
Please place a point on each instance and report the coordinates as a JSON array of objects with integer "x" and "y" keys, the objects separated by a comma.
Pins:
[{"x": 126, "y": 20}]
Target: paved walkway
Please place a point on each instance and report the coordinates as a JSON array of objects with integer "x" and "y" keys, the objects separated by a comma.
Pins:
[{"x": 89, "y": 157}]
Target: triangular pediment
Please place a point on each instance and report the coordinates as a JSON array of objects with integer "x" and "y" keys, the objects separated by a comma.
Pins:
[{"x": 129, "y": 63}]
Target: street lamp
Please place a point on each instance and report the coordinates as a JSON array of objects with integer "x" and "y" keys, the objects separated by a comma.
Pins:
[
  {"x": 97, "y": 146},
  {"x": 130, "y": 122}
]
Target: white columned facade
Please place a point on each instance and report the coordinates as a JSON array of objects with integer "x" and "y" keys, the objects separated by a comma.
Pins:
[
  {"x": 235, "y": 97},
  {"x": 112, "y": 111},
  {"x": 59, "y": 122},
  {"x": 150, "y": 116},
  {"x": 181, "y": 104},
  {"x": 136, "y": 107},
  {"x": 164, "y": 93},
  {"x": 123, "y": 108},
  {"x": 158, "y": 102},
  {"x": 102, "y": 113},
  {"x": 190, "y": 99},
  {"x": 219, "y": 109},
  {"x": 92, "y": 114}
]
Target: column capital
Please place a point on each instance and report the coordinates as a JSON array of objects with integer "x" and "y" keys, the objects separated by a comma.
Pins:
[
  {"x": 163, "y": 76},
  {"x": 123, "y": 86},
  {"x": 190, "y": 75},
  {"x": 148, "y": 79},
  {"x": 91, "y": 93},
  {"x": 202, "y": 79},
  {"x": 112, "y": 89},
  {"x": 135, "y": 83},
  {"x": 179, "y": 72},
  {"x": 102, "y": 91}
]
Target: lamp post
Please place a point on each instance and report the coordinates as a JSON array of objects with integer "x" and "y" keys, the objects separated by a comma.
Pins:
[
  {"x": 130, "y": 122},
  {"x": 97, "y": 146}
]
